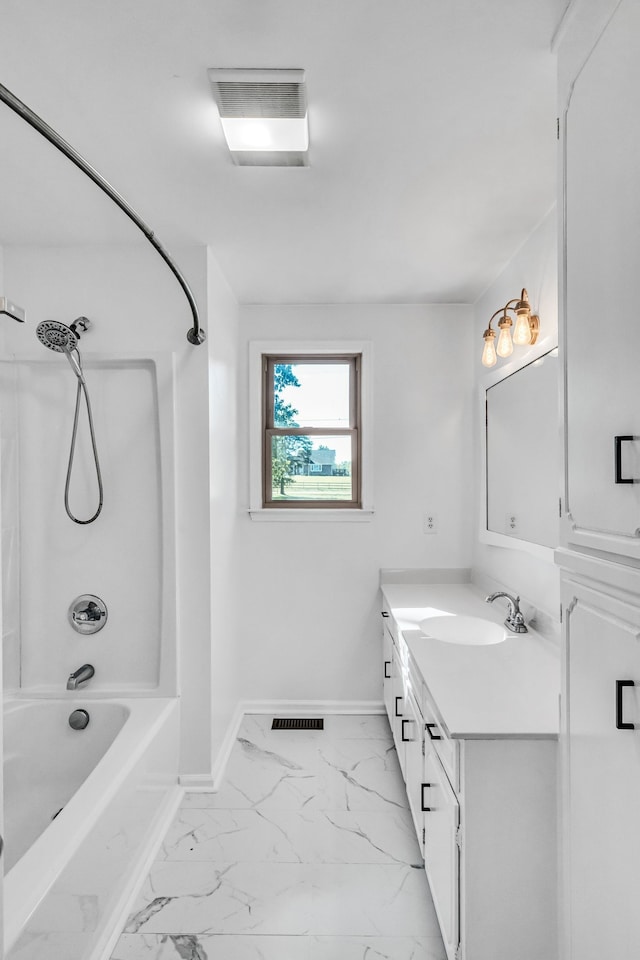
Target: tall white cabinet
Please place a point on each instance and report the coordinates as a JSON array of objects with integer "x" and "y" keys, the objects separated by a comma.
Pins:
[
  {"x": 602, "y": 834},
  {"x": 599, "y": 60}
]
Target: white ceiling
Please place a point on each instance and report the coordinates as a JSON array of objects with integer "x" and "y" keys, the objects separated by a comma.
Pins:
[{"x": 432, "y": 127}]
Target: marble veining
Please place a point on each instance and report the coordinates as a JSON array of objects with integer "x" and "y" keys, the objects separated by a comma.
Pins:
[
  {"x": 221, "y": 947},
  {"x": 304, "y": 836},
  {"x": 307, "y": 851}
]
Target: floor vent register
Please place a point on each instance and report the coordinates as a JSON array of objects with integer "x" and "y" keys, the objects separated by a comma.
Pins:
[{"x": 297, "y": 723}]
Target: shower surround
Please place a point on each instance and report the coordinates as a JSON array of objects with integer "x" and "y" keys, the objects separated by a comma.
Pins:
[
  {"x": 103, "y": 792},
  {"x": 161, "y": 408}
]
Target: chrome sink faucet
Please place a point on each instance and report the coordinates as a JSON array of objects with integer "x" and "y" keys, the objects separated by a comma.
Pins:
[
  {"x": 515, "y": 620},
  {"x": 81, "y": 675}
]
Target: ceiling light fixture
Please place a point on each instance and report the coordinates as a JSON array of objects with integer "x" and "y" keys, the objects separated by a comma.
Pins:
[
  {"x": 525, "y": 333},
  {"x": 263, "y": 115}
]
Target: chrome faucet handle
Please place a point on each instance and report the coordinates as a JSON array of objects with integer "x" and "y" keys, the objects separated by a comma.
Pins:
[{"x": 515, "y": 622}]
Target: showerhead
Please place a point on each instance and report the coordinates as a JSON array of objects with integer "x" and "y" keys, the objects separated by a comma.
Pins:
[
  {"x": 63, "y": 339},
  {"x": 57, "y": 336}
]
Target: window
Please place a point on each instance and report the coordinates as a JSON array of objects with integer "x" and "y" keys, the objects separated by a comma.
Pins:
[{"x": 311, "y": 431}]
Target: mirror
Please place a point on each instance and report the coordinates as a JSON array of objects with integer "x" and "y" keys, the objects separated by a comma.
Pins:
[{"x": 522, "y": 453}]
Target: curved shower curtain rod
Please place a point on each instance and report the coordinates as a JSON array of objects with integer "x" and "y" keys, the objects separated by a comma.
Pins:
[{"x": 195, "y": 334}]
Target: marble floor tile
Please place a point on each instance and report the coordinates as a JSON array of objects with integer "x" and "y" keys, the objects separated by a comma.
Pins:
[
  {"x": 344, "y": 727},
  {"x": 283, "y": 898},
  {"x": 223, "y": 947},
  {"x": 307, "y": 852},
  {"x": 307, "y": 836},
  {"x": 322, "y": 774}
]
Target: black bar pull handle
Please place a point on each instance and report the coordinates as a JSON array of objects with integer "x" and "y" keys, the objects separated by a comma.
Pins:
[
  {"x": 387, "y": 663},
  {"x": 618, "y": 441},
  {"x": 620, "y": 724},
  {"x": 398, "y": 714},
  {"x": 384, "y": 613},
  {"x": 405, "y": 739},
  {"x": 423, "y": 807},
  {"x": 432, "y": 736}
]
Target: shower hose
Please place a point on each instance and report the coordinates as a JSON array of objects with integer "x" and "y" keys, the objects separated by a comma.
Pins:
[{"x": 73, "y": 356}]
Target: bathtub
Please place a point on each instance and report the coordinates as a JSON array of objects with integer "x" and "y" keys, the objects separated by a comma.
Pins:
[{"x": 81, "y": 810}]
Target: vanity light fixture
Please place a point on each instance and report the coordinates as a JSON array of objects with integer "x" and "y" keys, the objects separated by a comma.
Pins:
[
  {"x": 525, "y": 333},
  {"x": 263, "y": 115}
]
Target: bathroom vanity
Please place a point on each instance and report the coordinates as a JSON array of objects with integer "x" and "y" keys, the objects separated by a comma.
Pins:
[{"x": 475, "y": 725}]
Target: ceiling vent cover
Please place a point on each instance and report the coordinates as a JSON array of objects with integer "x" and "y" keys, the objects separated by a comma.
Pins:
[{"x": 268, "y": 104}]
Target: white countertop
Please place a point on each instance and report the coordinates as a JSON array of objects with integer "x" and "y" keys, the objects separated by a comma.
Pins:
[{"x": 507, "y": 689}]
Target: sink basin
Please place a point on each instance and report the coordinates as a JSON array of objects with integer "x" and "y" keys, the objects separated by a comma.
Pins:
[{"x": 474, "y": 631}]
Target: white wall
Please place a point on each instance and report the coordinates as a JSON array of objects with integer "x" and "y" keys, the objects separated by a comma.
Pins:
[
  {"x": 137, "y": 306},
  {"x": 534, "y": 266},
  {"x": 9, "y": 521},
  {"x": 120, "y": 556},
  {"x": 222, "y": 332},
  {"x": 308, "y": 592}
]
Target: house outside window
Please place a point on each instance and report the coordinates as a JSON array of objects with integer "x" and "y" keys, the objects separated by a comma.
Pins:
[{"x": 311, "y": 433}]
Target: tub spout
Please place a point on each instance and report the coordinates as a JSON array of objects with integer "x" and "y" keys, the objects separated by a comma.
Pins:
[{"x": 81, "y": 675}]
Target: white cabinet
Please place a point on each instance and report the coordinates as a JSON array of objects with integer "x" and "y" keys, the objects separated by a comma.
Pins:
[
  {"x": 387, "y": 657},
  {"x": 441, "y": 851},
  {"x": 602, "y": 766},
  {"x": 414, "y": 763},
  {"x": 599, "y": 68},
  {"x": 485, "y": 812},
  {"x": 393, "y": 683},
  {"x": 601, "y": 330},
  {"x": 397, "y": 710}
]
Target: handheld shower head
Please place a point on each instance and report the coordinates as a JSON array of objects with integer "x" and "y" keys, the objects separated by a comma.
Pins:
[
  {"x": 57, "y": 336},
  {"x": 63, "y": 339}
]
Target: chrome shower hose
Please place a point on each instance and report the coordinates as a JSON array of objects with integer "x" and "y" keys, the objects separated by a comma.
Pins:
[{"x": 73, "y": 357}]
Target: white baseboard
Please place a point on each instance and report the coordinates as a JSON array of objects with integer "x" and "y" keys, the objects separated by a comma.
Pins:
[
  {"x": 106, "y": 942},
  {"x": 308, "y": 708}
]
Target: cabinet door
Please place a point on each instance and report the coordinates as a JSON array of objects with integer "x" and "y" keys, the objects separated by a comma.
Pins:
[
  {"x": 601, "y": 326},
  {"x": 413, "y": 732},
  {"x": 397, "y": 706},
  {"x": 387, "y": 679},
  {"x": 601, "y": 791},
  {"x": 441, "y": 852}
]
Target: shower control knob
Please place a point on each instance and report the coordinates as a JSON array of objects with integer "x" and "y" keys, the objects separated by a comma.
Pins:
[{"x": 88, "y": 613}]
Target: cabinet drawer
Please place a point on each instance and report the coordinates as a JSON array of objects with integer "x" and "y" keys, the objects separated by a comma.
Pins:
[
  {"x": 445, "y": 747},
  {"x": 389, "y": 623}
]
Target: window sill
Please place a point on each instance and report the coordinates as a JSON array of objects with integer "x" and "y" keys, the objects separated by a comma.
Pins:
[{"x": 265, "y": 515}]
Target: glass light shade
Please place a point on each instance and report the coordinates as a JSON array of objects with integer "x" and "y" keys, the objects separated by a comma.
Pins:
[
  {"x": 266, "y": 133},
  {"x": 505, "y": 343},
  {"x": 522, "y": 332},
  {"x": 489, "y": 358}
]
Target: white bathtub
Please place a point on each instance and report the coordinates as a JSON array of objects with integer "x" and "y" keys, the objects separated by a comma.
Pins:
[{"x": 111, "y": 784}]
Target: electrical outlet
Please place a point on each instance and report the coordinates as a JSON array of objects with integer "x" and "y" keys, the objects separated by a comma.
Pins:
[
  {"x": 511, "y": 523},
  {"x": 429, "y": 523}
]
